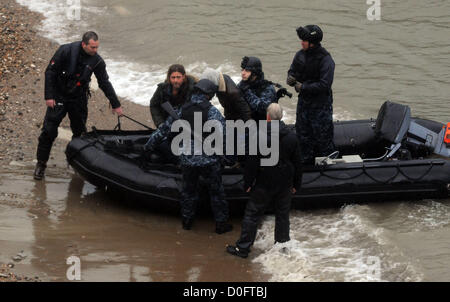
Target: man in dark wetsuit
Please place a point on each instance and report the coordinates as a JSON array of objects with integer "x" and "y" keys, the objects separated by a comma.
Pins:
[
  {"x": 67, "y": 79},
  {"x": 312, "y": 73},
  {"x": 270, "y": 184}
]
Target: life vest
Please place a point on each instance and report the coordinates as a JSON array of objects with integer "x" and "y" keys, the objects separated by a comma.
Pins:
[
  {"x": 75, "y": 78},
  {"x": 310, "y": 67},
  {"x": 188, "y": 112}
]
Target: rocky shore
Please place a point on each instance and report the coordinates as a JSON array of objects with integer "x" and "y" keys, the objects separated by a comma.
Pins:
[{"x": 24, "y": 55}]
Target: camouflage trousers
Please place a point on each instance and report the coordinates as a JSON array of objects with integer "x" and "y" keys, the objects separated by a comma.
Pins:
[
  {"x": 315, "y": 130},
  {"x": 212, "y": 177}
]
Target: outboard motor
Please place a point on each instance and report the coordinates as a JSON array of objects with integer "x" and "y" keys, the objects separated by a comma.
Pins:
[
  {"x": 395, "y": 125},
  {"x": 392, "y": 125},
  {"x": 438, "y": 143}
]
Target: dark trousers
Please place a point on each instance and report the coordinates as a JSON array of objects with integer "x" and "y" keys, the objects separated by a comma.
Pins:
[
  {"x": 77, "y": 112},
  {"x": 315, "y": 131},
  {"x": 212, "y": 176},
  {"x": 260, "y": 199}
]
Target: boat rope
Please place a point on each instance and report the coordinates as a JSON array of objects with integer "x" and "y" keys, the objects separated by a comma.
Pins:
[
  {"x": 365, "y": 171},
  {"x": 380, "y": 181},
  {"x": 419, "y": 178},
  {"x": 118, "y": 126}
]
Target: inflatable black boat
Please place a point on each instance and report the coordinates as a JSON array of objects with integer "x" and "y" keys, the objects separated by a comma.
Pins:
[{"x": 393, "y": 157}]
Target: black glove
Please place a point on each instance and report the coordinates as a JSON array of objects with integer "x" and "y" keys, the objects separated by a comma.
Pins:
[
  {"x": 291, "y": 81},
  {"x": 298, "y": 86},
  {"x": 282, "y": 93}
]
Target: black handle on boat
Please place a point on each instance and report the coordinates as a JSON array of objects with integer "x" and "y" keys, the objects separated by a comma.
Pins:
[{"x": 131, "y": 119}]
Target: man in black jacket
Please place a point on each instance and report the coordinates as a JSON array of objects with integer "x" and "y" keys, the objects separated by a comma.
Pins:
[
  {"x": 67, "y": 79},
  {"x": 176, "y": 89},
  {"x": 234, "y": 105},
  {"x": 312, "y": 73},
  {"x": 270, "y": 184}
]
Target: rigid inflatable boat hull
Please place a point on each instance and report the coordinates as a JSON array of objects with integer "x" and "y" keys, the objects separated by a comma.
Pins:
[{"x": 333, "y": 185}]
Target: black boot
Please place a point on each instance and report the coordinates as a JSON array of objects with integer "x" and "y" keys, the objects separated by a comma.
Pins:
[
  {"x": 234, "y": 250},
  {"x": 187, "y": 223},
  {"x": 223, "y": 227},
  {"x": 40, "y": 170}
]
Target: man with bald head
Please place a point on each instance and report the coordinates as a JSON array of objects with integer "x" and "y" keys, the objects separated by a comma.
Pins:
[{"x": 273, "y": 184}]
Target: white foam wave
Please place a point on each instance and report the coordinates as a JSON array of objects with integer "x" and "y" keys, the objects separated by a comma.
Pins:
[
  {"x": 339, "y": 246},
  {"x": 60, "y": 24}
]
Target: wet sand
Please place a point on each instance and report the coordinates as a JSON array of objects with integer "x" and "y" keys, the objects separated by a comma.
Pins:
[
  {"x": 42, "y": 223},
  {"x": 114, "y": 239}
]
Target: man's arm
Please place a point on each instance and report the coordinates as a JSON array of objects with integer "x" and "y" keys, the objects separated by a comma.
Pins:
[
  {"x": 156, "y": 111},
  {"x": 51, "y": 72},
  {"x": 326, "y": 78},
  {"x": 105, "y": 85},
  {"x": 260, "y": 104},
  {"x": 242, "y": 107},
  {"x": 297, "y": 66},
  {"x": 298, "y": 167},
  {"x": 251, "y": 171},
  {"x": 159, "y": 134}
]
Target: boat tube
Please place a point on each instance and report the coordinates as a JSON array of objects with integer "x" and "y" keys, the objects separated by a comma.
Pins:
[{"x": 393, "y": 157}]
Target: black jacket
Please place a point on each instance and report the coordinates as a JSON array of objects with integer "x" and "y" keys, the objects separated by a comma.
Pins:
[
  {"x": 286, "y": 174},
  {"x": 235, "y": 107},
  {"x": 69, "y": 72},
  {"x": 314, "y": 68},
  {"x": 164, "y": 94}
]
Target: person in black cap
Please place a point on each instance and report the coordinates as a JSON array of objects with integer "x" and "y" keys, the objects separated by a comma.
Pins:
[
  {"x": 257, "y": 92},
  {"x": 67, "y": 79},
  {"x": 312, "y": 73},
  {"x": 194, "y": 166}
]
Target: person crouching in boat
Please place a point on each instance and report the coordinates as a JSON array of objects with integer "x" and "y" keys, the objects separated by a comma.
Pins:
[
  {"x": 229, "y": 95},
  {"x": 234, "y": 105},
  {"x": 270, "y": 184},
  {"x": 195, "y": 165}
]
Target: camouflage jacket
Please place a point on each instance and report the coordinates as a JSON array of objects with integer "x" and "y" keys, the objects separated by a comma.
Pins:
[
  {"x": 192, "y": 160},
  {"x": 259, "y": 97}
]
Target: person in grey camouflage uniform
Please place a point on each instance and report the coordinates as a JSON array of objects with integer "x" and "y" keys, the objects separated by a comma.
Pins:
[
  {"x": 257, "y": 92},
  {"x": 311, "y": 74},
  {"x": 193, "y": 166}
]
